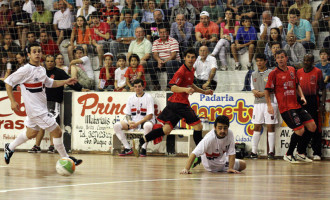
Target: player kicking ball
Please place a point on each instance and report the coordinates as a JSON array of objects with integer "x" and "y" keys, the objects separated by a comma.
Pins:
[
  {"x": 33, "y": 79},
  {"x": 217, "y": 150}
]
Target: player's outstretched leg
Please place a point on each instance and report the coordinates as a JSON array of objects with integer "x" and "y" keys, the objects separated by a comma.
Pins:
[
  {"x": 156, "y": 133},
  {"x": 147, "y": 127}
]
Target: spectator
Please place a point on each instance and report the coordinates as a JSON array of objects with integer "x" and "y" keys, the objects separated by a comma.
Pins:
[
  {"x": 63, "y": 21},
  {"x": 184, "y": 8},
  {"x": 271, "y": 60},
  {"x": 21, "y": 59},
  {"x": 132, "y": 8},
  {"x": 324, "y": 65},
  {"x": 125, "y": 34},
  {"x": 148, "y": 14},
  {"x": 82, "y": 35},
  {"x": 245, "y": 40},
  {"x": 172, "y": 3},
  {"x": 86, "y": 10},
  {"x": 181, "y": 30},
  {"x": 5, "y": 69},
  {"x": 302, "y": 29},
  {"x": 107, "y": 73},
  {"x": 275, "y": 35},
  {"x": 134, "y": 71},
  {"x": 9, "y": 47},
  {"x": 295, "y": 51},
  {"x": 304, "y": 8},
  {"x": 165, "y": 56},
  {"x": 81, "y": 68},
  {"x": 228, "y": 32},
  {"x": 29, "y": 7},
  {"x": 56, "y": 4},
  {"x": 282, "y": 12},
  {"x": 206, "y": 68},
  {"x": 110, "y": 15},
  {"x": 234, "y": 4},
  {"x": 268, "y": 22},
  {"x": 326, "y": 42},
  {"x": 268, "y": 5},
  {"x": 251, "y": 9},
  {"x": 101, "y": 36},
  {"x": 21, "y": 16},
  {"x": 48, "y": 46},
  {"x": 5, "y": 19},
  {"x": 59, "y": 63},
  {"x": 41, "y": 16},
  {"x": 322, "y": 18},
  {"x": 120, "y": 80},
  {"x": 31, "y": 38},
  {"x": 216, "y": 11},
  {"x": 141, "y": 46},
  {"x": 207, "y": 32},
  {"x": 153, "y": 29}
]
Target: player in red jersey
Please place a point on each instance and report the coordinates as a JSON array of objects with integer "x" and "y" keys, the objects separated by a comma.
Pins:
[
  {"x": 178, "y": 105},
  {"x": 311, "y": 81},
  {"x": 284, "y": 83}
]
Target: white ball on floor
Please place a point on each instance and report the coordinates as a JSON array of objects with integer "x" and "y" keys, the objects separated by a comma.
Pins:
[{"x": 65, "y": 167}]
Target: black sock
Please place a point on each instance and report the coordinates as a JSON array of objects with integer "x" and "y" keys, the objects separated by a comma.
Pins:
[
  {"x": 197, "y": 136},
  {"x": 303, "y": 143},
  {"x": 156, "y": 133},
  {"x": 293, "y": 143}
]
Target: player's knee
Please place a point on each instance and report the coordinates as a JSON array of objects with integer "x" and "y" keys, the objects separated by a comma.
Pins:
[
  {"x": 242, "y": 165},
  {"x": 257, "y": 127},
  {"x": 147, "y": 127},
  {"x": 312, "y": 127},
  {"x": 57, "y": 132},
  {"x": 117, "y": 127},
  {"x": 167, "y": 129},
  {"x": 300, "y": 132}
]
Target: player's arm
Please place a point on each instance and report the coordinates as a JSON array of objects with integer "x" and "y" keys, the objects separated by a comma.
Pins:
[
  {"x": 199, "y": 90},
  {"x": 188, "y": 164},
  {"x": 59, "y": 83},
  {"x": 269, "y": 102},
  {"x": 14, "y": 104},
  {"x": 231, "y": 165},
  {"x": 179, "y": 89},
  {"x": 301, "y": 94}
]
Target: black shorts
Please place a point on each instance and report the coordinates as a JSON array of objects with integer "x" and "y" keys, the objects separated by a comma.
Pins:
[
  {"x": 296, "y": 118},
  {"x": 173, "y": 112},
  {"x": 66, "y": 33}
]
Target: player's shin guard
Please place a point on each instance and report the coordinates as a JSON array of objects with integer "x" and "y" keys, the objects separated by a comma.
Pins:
[
  {"x": 59, "y": 146},
  {"x": 293, "y": 143},
  {"x": 271, "y": 141},
  {"x": 197, "y": 136},
  {"x": 21, "y": 138}
]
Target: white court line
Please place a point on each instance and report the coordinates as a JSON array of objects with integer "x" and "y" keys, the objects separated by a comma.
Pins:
[
  {"x": 3, "y": 166},
  {"x": 155, "y": 180}
]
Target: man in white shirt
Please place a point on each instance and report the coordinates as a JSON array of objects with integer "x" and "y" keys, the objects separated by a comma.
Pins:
[
  {"x": 268, "y": 22},
  {"x": 206, "y": 68},
  {"x": 32, "y": 78},
  {"x": 139, "y": 115},
  {"x": 81, "y": 68},
  {"x": 217, "y": 150},
  {"x": 85, "y": 10},
  {"x": 29, "y": 7},
  {"x": 63, "y": 21}
]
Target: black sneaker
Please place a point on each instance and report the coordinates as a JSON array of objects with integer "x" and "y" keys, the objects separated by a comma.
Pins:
[
  {"x": 141, "y": 142},
  {"x": 76, "y": 161},
  {"x": 196, "y": 162},
  {"x": 51, "y": 149},
  {"x": 143, "y": 152},
  {"x": 8, "y": 153},
  {"x": 271, "y": 156},
  {"x": 252, "y": 156},
  {"x": 35, "y": 149},
  {"x": 126, "y": 152}
]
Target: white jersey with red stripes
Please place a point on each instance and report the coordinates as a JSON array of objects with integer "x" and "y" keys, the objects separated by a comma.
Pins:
[
  {"x": 139, "y": 107},
  {"x": 32, "y": 80},
  {"x": 213, "y": 150}
]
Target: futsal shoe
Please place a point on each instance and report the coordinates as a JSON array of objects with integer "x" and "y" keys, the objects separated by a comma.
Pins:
[
  {"x": 51, "y": 149},
  {"x": 35, "y": 149},
  {"x": 8, "y": 153},
  {"x": 252, "y": 156},
  {"x": 75, "y": 160},
  {"x": 196, "y": 162},
  {"x": 303, "y": 158},
  {"x": 290, "y": 159},
  {"x": 271, "y": 156},
  {"x": 126, "y": 152},
  {"x": 317, "y": 158},
  {"x": 143, "y": 152}
]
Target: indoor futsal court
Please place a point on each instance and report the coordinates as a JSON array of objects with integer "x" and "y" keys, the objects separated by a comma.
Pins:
[{"x": 33, "y": 176}]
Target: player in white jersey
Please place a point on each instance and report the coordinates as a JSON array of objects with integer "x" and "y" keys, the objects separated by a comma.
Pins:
[
  {"x": 32, "y": 79},
  {"x": 139, "y": 115},
  {"x": 217, "y": 150}
]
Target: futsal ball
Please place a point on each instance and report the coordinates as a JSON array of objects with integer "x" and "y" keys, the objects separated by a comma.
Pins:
[{"x": 65, "y": 166}]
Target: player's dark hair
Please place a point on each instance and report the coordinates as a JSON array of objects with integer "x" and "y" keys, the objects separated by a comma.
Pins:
[
  {"x": 121, "y": 56},
  {"x": 261, "y": 56},
  {"x": 190, "y": 51},
  {"x": 221, "y": 119},
  {"x": 133, "y": 56},
  {"x": 137, "y": 81},
  {"x": 280, "y": 52},
  {"x": 294, "y": 11},
  {"x": 34, "y": 44}
]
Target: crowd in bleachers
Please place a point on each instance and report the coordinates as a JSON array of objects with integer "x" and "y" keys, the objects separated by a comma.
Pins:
[{"x": 139, "y": 38}]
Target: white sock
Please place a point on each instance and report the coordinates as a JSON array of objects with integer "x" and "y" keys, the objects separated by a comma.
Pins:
[
  {"x": 147, "y": 127},
  {"x": 255, "y": 141},
  {"x": 271, "y": 141},
  {"x": 21, "y": 138},
  {"x": 121, "y": 135},
  {"x": 59, "y": 146}
]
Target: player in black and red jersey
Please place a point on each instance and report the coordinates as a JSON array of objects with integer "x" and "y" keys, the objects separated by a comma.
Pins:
[
  {"x": 284, "y": 83},
  {"x": 178, "y": 105},
  {"x": 311, "y": 81}
]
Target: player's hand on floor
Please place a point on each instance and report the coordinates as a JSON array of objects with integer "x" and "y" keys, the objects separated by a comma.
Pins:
[
  {"x": 233, "y": 171},
  {"x": 185, "y": 171}
]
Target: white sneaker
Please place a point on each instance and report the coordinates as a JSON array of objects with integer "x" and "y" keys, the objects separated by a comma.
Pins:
[
  {"x": 316, "y": 158},
  {"x": 223, "y": 68},
  {"x": 302, "y": 157},
  {"x": 290, "y": 159}
]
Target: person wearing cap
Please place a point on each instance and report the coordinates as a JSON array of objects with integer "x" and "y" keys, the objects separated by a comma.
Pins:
[
  {"x": 81, "y": 68},
  {"x": 85, "y": 10},
  {"x": 207, "y": 32},
  {"x": 184, "y": 8},
  {"x": 107, "y": 73}
]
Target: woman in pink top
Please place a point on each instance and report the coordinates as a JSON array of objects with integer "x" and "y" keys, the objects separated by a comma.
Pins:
[{"x": 227, "y": 34}]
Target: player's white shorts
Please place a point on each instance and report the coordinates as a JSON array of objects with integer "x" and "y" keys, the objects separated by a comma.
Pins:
[
  {"x": 45, "y": 121},
  {"x": 222, "y": 168},
  {"x": 261, "y": 115}
]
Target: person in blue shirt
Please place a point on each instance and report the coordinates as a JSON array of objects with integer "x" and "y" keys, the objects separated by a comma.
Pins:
[
  {"x": 245, "y": 40},
  {"x": 324, "y": 65}
]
